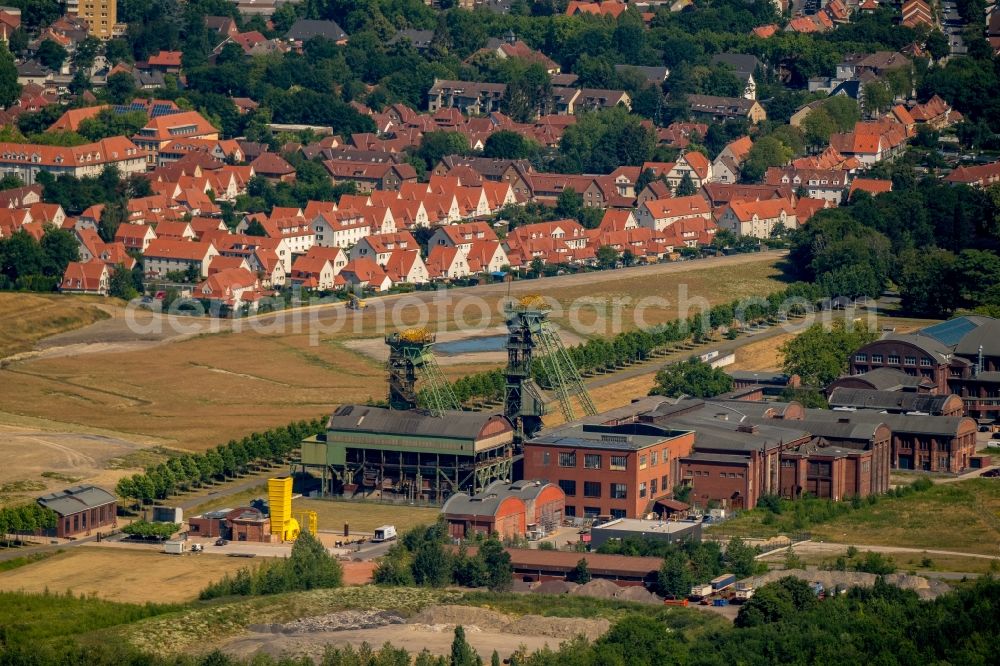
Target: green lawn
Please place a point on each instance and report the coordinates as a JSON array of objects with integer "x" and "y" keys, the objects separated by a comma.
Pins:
[{"x": 961, "y": 516}]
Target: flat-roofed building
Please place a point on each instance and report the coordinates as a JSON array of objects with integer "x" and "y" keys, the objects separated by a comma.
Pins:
[
  {"x": 608, "y": 468},
  {"x": 667, "y": 531}
]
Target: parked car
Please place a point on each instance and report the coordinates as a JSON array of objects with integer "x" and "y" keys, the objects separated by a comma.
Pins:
[{"x": 220, "y": 542}]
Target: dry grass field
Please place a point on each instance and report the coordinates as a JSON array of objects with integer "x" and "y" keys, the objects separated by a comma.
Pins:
[
  {"x": 202, "y": 390},
  {"x": 365, "y": 517},
  {"x": 119, "y": 574},
  {"x": 42, "y": 456},
  {"x": 27, "y": 318}
]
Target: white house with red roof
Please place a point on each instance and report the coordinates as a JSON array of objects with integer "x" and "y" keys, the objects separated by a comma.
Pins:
[
  {"x": 487, "y": 256},
  {"x": 341, "y": 228},
  {"x": 461, "y": 235},
  {"x": 135, "y": 237},
  {"x": 758, "y": 219},
  {"x": 86, "y": 277},
  {"x": 163, "y": 256},
  {"x": 380, "y": 246},
  {"x": 365, "y": 274},
  {"x": 406, "y": 266},
  {"x": 690, "y": 163},
  {"x": 447, "y": 263},
  {"x": 659, "y": 214},
  {"x": 232, "y": 288},
  {"x": 313, "y": 273}
]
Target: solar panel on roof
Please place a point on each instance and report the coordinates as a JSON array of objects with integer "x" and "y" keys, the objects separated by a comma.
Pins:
[{"x": 951, "y": 332}]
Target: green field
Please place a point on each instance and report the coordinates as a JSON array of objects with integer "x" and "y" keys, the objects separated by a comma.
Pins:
[{"x": 960, "y": 516}]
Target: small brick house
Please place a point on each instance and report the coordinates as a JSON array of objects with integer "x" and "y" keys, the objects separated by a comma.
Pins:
[{"x": 81, "y": 510}]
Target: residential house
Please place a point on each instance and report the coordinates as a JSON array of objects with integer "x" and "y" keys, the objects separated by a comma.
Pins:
[
  {"x": 305, "y": 29},
  {"x": 163, "y": 256},
  {"x": 744, "y": 67},
  {"x": 340, "y": 228},
  {"x": 26, "y": 160},
  {"x": 379, "y": 247},
  {"x": 827, "y": 184},
  {"x": 693, "y": 164},
  {"x": 162, "y": 130},
  {"x": 406, "y": 266},
  {"x": 721, "y": 109},
  {"x": 487, "y": 256},
  {"x": 873, "y": 186},
  {"x": 871, "y": 142},
  {"x": 461, "y": 236},
  {"x": 758, "y": 219},
  {"x": 469, "y": 97},
  {"x": 447, "y": 263},
  {"x": 274, "y": 168},
  {"x": 658, "y": 214},
  {"x": 231, "y": 289},
  {"x": 313, "y": 273},
  {"x": 979, "y": 175},
  {"x": 726, "y": 166},
  {"x": 368, "y": 176},
  {"x": 365, "y": 274},
  {"x": 135, "y": 237},
  {"x": 91, "y": 277}
]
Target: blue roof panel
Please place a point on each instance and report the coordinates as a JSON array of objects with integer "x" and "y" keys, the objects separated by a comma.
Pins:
[{"x": 951, "y": 332}]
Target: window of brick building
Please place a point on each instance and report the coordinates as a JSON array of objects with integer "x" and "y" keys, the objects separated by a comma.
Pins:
[
  {"x": 568, "y": 486},
  {"x": 652, "y": 459},
  {"x": 619, "y": 463},
  {"x": 652, "y": 487},
  {"x": 642, "y": 462},
  {"x": 893, "y": 359},
  {"x": 619, "y": 491},
  {"x": 592, "y": 461},
  {"x": 642, "y": 489},
  {"x": 617, "y": 513},
  {"x": 567, "y": 459},
  {"x": 569, "y": 511},
  {"x": 663, "y": 482},
  {"x": 591, "y": 511},
  {"x": 591, "y": 488}
]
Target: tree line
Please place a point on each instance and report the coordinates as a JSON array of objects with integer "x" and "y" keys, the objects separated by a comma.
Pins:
[
  {"x": 422, "y": 557},
  {"x": 25, "y": 519},
  {"x": 226, "y": 461},
  {"x": 608, "y": 354}
]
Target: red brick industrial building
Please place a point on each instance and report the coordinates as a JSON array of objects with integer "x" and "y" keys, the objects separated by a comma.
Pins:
[
  {"x": 960, "y": 356},
  {"x": 242, "y": 524},
  {"x": 507, "y": 509},
  {"x": 609, "y": 465},
  {"x": 81, "y": 510}
]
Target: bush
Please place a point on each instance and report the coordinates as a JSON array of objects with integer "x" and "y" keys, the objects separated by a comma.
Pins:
[
  {"x": 146, "y": 530},
  {"x": 309, "y": 567}
]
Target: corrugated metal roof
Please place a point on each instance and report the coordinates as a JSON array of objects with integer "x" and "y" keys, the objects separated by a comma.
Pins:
[
  {"x": 487, "y": 502},
  {"x": 888, "y": 400},
  {"x": 452, "y": 424},
  {"x": 903, "y": 423},
  {"x": 76, "y": 499}
]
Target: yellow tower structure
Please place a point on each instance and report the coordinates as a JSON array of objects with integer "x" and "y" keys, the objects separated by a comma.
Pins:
[{"x": 279, "y": 498}]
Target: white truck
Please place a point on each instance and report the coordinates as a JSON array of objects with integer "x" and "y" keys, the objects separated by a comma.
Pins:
[
  {"x": 384, "y": 533},
  {"x": 744, "y": 591}
]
